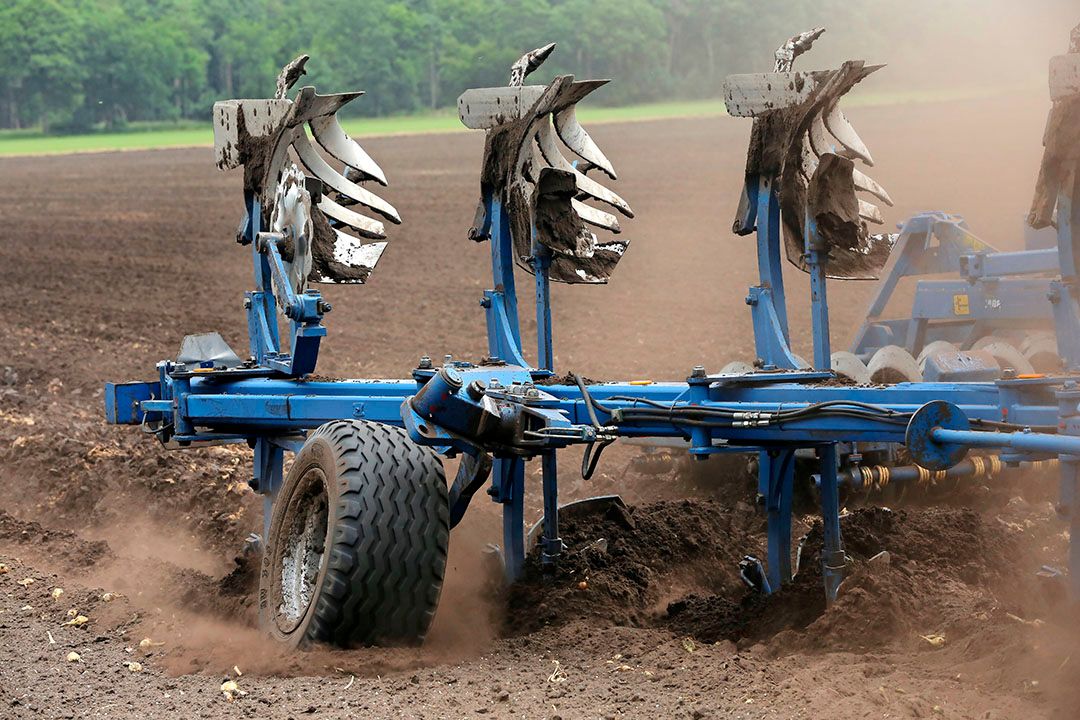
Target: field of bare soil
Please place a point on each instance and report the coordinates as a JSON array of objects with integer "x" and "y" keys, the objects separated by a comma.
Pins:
[{"x": 125, "y": 591}]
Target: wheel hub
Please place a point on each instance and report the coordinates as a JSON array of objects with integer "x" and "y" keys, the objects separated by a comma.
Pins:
[{"x": 301, "y": 559}]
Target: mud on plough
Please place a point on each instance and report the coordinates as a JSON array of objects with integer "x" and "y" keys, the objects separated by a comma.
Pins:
[{"x": 356, "y": 534}]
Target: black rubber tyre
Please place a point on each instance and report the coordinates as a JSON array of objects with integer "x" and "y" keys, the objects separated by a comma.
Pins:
[{"x": 357, "y": 545}]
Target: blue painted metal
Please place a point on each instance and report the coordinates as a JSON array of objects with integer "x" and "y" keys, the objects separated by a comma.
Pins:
[
  {"x": 983, "y": 264},
  {"x": 777, "y": 471},
  {"x": 269, "y": 459},
  {"x": 541, "y": 264},
  {"x": 767, "y": 301},
  {"x": 816, "y": 258},
  {"x": 991, "y": 294},
  {"x": 508, "y": 486},
  {"x": 833, "y": 560},
  {"x": 123, "y": 401},
  {"x": 1063, "y": 293},
  {"x": 922, "y": 437},
  {"x": 503, "y": 328},
  {"x": 552, "y": 543},
  {"x": 961, "y": 366},
  {"x": 1028, "y": 442}
]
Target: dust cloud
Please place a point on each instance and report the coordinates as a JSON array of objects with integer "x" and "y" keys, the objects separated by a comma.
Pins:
[{"x": 958, "y": 47}]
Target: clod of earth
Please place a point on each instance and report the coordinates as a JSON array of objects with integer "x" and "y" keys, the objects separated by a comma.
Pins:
[
  {"x": 934, "y": 640},
  {"x": 231, "y": 690}
]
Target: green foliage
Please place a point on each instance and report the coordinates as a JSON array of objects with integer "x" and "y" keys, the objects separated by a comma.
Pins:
[{"x": 79, "y": 65}]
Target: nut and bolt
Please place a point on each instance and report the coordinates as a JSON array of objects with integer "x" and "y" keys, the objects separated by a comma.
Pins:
[
  {"x": 247, "y": 303},
  {"x": 485, "y": 302},
  {"x": 425, "y": 363},
  {"x": 475, "y": 389},
  {"x": 698, "y": 371},
  {"x": 1008, "y": 374},
  {"x": 323, "y": 307}
]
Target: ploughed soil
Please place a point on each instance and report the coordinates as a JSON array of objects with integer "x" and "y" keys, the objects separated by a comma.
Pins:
[{"x": 135, "y": 559}]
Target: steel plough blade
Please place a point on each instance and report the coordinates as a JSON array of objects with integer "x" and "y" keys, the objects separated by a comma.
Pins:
[
  {"x": 798, "y": 122},
  {"x": 529, "y": 129},
  {"x": 258, "y": 135},
  {"x": 330, "y": 135},
  {"x": 580, "y": 142},
  {"x": 545, "y": 139},
  {"x": 332, "y": 178}
]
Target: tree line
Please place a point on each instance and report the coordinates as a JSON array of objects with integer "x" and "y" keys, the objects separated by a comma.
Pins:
[{"x": 73, "y": 65}]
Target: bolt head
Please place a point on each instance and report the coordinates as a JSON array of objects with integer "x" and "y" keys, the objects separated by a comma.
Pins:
[
  {"x": 425, "y": 363},
  {"x": 698, "y": 371},
  {"x": 247, "y": 303}
]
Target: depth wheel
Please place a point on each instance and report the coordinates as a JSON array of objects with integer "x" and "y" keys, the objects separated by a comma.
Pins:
[{"x": 358, "y": 539}]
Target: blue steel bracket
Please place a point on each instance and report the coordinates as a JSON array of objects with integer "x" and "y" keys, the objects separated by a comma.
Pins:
[
  {"x": 305, "y": 312},
  {"x": 770, "y": 337},
  {"x": 123, "y": 401},
  {"x": 1066, "y": 309},
  {"x": 981, "y": 264}
]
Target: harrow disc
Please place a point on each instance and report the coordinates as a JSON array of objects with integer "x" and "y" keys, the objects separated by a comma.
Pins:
[
  {"x": 893, "y": 364},
  {"x": 849, "y": 366},
  {"x": 933, "y": 349},
  {"x": 1005, "y": 353},
  {"x": 1041, "y": 350}
]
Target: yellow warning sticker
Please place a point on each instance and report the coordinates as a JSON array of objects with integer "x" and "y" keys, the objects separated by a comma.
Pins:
[{"x": 960, "y": 305}]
